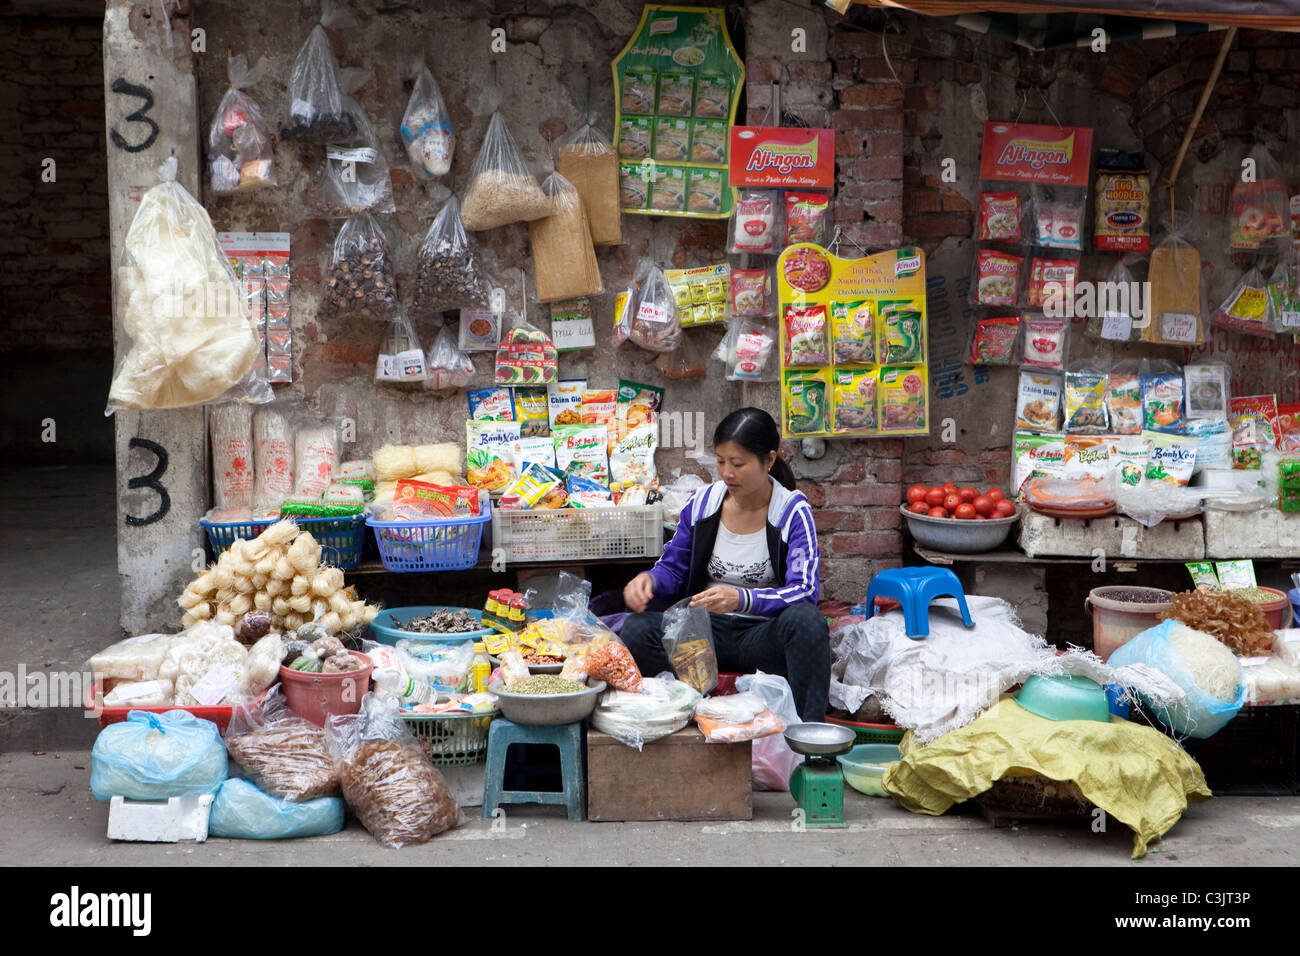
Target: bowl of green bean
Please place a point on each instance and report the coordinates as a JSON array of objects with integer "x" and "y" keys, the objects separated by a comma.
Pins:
[{"x": 547, "y": 699}]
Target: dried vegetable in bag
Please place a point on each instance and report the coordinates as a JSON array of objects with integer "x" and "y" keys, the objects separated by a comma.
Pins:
[
  {"x": 587, "y": 159},
  {"x": 283, "y": 754},
  {"x": 401, "y": 357},
  {"x": 173, "y": 268},
  {"x": 355, "y": 176},
  {"x": 1260, "y": 221},
  {"x": 448, "y": 366},
  {"x": 426, "y": 128},
  {"x": 654, "y": 323},
  {"x": 316, "y": 110},
  {"x": 240, "y": 156},
  {"x": 501, "y": 189},
  {"x": 1174, "y": 302},
  {"x": 449, "y": 273},
  {"x": 1284, "y": 298},
  {"x": 562, "y": 249},
  {"x": 1247, "y": 308},
  {"x": 360, "y": 282}
]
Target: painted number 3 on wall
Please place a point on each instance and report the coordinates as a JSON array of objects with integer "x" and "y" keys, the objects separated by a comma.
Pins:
[
  {"x": 144, "y": 94},
  {"x": 151, "y": 482}
]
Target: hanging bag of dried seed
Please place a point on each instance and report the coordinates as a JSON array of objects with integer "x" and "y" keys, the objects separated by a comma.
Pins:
[
  {"x": 501, "y": 189},
  {"x": 449, "y": 273},
  {"x": 562, "y": 251},
  {"x": 587, "y": 159},
  {"x": 426, "y": 128},
  {"x": 355, "y": 176},
  {"x": 316, "y": 108},
  {"x": 360, "y": 281},
  {"x": 239, "y": 141}
]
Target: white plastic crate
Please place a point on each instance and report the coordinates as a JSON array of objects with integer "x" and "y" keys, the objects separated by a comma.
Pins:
[{"x": 577, "y": 534}]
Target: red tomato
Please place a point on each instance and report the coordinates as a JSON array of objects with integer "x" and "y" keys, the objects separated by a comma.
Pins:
[
  {"x": 938, "y": 512},
  {"x": 995, "y": 494},
  {"x": 918, "y": 508},
  {"x": 967, "y": 493},
  {"x": 916, "y": 493},
  {"x": 982, "y": 517},
  {"x": 1004, "y": 508},
  {"x": 965, "y": 511},
  {"x": 934, "y": 497},
  {"x": 949, "y": 487},
  {"x": 951, "y": 501},
  {"x": 984, "y": 505}
]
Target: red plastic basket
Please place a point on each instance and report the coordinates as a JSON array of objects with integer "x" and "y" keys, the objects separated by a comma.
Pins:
[
  {"x": 871, "y": 733},
  {"x": 115, "y": 715}
]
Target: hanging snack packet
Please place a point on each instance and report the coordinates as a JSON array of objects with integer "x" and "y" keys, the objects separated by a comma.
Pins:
[
  {"x": 426, "y": 128},
  {"x": 586, "y": 446},
  {"x": 401, "y": 357},
  {"x": 632, "y": 460},
  {"x": 526, "y": 357},
  {"x": 1260, "y": 221},
  {"x": 1162, "y": 396},
  {"x": 751, "y": 293},
  {"x": 1284, "y": 299},
  {"x": 1113, "y": 318},
  {"x": 1288, "y": 428},
  {"x": 531, "y": 412},
  {"x": 316, "y": 109},
  {"x": 807, "y": 402},
  {"x": 488, "y": 448},
  {"x": 564, "y": 400},
  {"x": 1253, "y": 419},
  {"x": 501, "y": 189},
  {"x": 563, "y": 254},
  {"x": 853, "y": 332},
  {"x": 1038, "y": 405},
  {"x": 806, "y": 335},
  {"x": 902, "y": 333},
  {"x": 448, "y": 366},
  {"x": 994, "y": 341},
  {"x": 1085, "y": 402},
  {"x": 754, "y": 223},
  {"x": 1246, "y": 309},
  {"x": 1124, "y": 399},
  {"x": 587, "y": 159},
  {"x": 749, "y": 350},
  {"x": 240, "y": 156},
  {"x": 1045, "y": 342},
  {"x": 999, "y": 217},
  {"x": 997, "y": 278},
  {"x": 655, "y": 323},
  {"x": 360, "y": 282},
  {"x": 1036, "y": 456},
  {"x": 1174, "y": 301},
  {"x": 1170, "y": 458},
  {"x": 491, "y": 404},
  {"x": 1206, "y": 389},
  {"x": 1051, "y": 285},
  {"x": 903, "y": 393},
  {"x": 806, "y": 217},
  {"x": 855, "y": 400},
  {"x": 1123, "y": 210},
  {"x": 1058, "y": 222},
  {"x": 449, "y": 272}
]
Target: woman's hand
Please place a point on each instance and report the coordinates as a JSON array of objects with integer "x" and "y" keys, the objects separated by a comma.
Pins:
[
  {"x": 639, "y": 591},
  {"x": 719, "y": 599}
]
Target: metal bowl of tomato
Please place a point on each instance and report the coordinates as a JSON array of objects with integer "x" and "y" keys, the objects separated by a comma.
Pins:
[{"x": 960, "y": 520}]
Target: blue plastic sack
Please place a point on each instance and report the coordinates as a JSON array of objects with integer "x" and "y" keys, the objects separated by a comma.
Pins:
[
  {"x": 1200, "y": 715},
  {"x": 243, "y": 812},
  {"x": 153, "y": 756}
]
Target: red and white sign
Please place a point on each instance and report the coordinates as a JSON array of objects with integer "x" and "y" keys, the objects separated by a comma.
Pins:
[
  {"x": 1026, "y": 153},
  {"x": 778, "y": 157}
]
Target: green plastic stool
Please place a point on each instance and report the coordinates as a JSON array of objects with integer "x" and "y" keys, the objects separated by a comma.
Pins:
[{"x": 566, "y": 737}]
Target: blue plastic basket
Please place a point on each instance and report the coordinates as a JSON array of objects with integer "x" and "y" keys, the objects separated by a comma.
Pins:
[
  {"x": 449, "y": 544},
  {"x": 341, "y": 539}
]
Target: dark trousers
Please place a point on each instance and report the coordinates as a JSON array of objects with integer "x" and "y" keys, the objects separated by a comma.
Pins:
[{"x": 795, "y": 645}]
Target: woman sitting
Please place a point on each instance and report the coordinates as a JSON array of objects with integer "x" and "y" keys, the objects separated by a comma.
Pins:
[{"x": 745, "y": 550}]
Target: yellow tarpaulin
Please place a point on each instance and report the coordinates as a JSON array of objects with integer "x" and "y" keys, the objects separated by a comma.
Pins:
[{"x": 1134, "y": 773}]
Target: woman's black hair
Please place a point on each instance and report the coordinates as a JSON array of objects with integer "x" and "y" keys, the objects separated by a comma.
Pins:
[{"x": 754, "y": 430}]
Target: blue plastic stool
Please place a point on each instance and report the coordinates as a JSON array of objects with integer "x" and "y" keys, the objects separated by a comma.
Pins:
[
  {"x": 914, "y": 589},
  {"x": 567, "y": 737}
]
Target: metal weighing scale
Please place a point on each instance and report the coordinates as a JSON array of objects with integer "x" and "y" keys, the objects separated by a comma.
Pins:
[{"x": 817, "y": 784}]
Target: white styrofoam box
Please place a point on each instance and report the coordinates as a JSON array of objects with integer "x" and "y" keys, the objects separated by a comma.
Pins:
[
  {"x": 157, "y": 821},
  {"x": 1117, "y": 537},
  {"x": 1252, "y": 534}
]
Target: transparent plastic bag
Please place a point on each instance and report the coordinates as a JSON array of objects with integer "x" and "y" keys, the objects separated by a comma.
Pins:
[
  {"x": 317, "y": 113},
  {"x": 563, "y": 255},
  {"x": 755, "y": 226},
  {"x": 587, "y": 159},
  {"x": 192, "y": 340},
  {"x": 153, "y": 756},
  {"x": 501, "y": 189},
  {"x": 133, "y": 659},
  {"x": 1247, "y": 309},
  {"x": 401, "y": 357},
  {"x": 354, "y": 177},
  {"x": 747, "y": 350},
  {"x": 654, "y": 323},
  {"x": 426, "y": 128},
  {"x": 449, "y": 273},
  {"x": 1174, "y": 303},
  {"x": 360, "y": 282},
  {"x": 736, "y": 718},
  {"x": 240, "y": 155},
  {"x": 1114, "y": 319},
  {"x": 448, "y": 366},
  {"x": 686, "y": 361},
  {"x": 662, "y": 707},
  {"x": 282, "y": 753},
  {"x": 688, "y": 642},
  {"x": 773, "y": 761},
  {"x": 243, "y": 812},
  {"x": 1259, "y": 220}
]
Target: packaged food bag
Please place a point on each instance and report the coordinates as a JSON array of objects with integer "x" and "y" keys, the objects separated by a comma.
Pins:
[
  {"x": 735, "y": 718},
  {"x": 172, "y": 268},
  {"x": 316, "y": 109},
  {"x": 448, "y": 367},
  {"x": 240, "y": 155},
  {"x": 1253, "y": 420},
  {"x": 1085, "y": 400},
  {"x": 562, "y": 247},
  {"x": 449, "y": 273},
  {"x": 773, "y": 761},
  {"x": 230, "y": 429},
  {"x": 1174, "y": 303},
  {"x": 1259, "y": 218},
  {"x": 354, "y": 177},
  {"x": 1114, "y": 316},
  {"x": 401, "y": 357},
  {"x": 1206, "y": 390},
  {"x": 282, "y": 753},
  {"x": 1124, "y": 398},
  {"x": 426, "y": 128},
  {"x": 154, "y": 756},
  {"x": 654, "y": 321},
  {"x": 1163, "y": 399},
  {"x": 1123, "y": 208},
  {"x": 688, "y": 642},
  {"x": 588, "y": 160},
  {"x": 360, "y": 282},
  {"x": 994, "y": 341},
  {"x": 755, "y": 223},
  {"x": 1247, "y": 308},
  {"x": 748, "y": 350},
  {"x": 501, "y": 189}
]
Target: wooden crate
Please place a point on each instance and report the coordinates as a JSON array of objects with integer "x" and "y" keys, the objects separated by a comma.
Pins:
[{"x": 678, "y": 777}]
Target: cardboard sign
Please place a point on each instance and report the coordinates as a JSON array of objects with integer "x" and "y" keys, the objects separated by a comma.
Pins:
[
  {"x": 1027, "y": 153},
  {"x": 777, "y": 157}
]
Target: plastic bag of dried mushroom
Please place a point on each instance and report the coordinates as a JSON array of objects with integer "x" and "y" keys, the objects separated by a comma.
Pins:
[{"x": 360, "y": 281}]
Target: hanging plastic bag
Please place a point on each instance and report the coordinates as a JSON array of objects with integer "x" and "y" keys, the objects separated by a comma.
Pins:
[
  {"x": 1115, "y": 319},
  {"x": 449, "y": 273},
  {"x": 747, "y": 350},
  {"x": 1259, "y": 218},
  {"x": 1247, "y": 308},
  {"x": 563, "y": 255},
  {"x": 426, "y": 128},
  {"x": 191, "y": 338},
  {"x": 360, "y": 281},
  {"x": 243, "y": 812},
  {"x": 240, "y": 156},
  {"x": 773, "y": 761},
  {"x": 317, "y": 113},
  {"x": 526, "y": 356},
  {"x": 401, "y": 357},
  {"x": 386, "y": 778},
  {"x": 282, "y": 753},
  {"x": 501, "y": 189},
  {"x": 1284, "y": 298},
  {"x": 448, "y": 366},
  {"x": 1174, "y": 304},
  {"x": 654, "y": 323},
  {"x": 687, "y": 361},
  {"x": 688, "y": 642},
  {"x": 588, "y": 160},
  {"x": 354, "y": 178},
  {"x": 153, "y": 756}
]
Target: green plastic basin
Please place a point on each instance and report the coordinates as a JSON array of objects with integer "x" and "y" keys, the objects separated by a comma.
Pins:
[
  {"x": 864, "y": 767},
  {"x": 1064, "y": 698}
]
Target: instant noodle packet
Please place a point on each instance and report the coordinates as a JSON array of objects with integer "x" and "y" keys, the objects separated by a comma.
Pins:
[
  {"x": 997, "y": 280},
  {"x": 806, "y": 335},
  {"x": 999, "y": 217}
]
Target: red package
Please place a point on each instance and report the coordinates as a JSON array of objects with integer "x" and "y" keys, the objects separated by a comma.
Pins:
[
  {"x": 1288, "y": 427},
  {"x": 1000, "y": 217},
  {"x": 423, "y": 501},
  {"x": 805, "y": 217},
  {"x": 751, "y": 290},
  {"x": 806, "y": 338},
  {"x": 1053, "y": 277},
  {"x": 998, "y": 279},
  {"x": 994, "y": 342}
]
